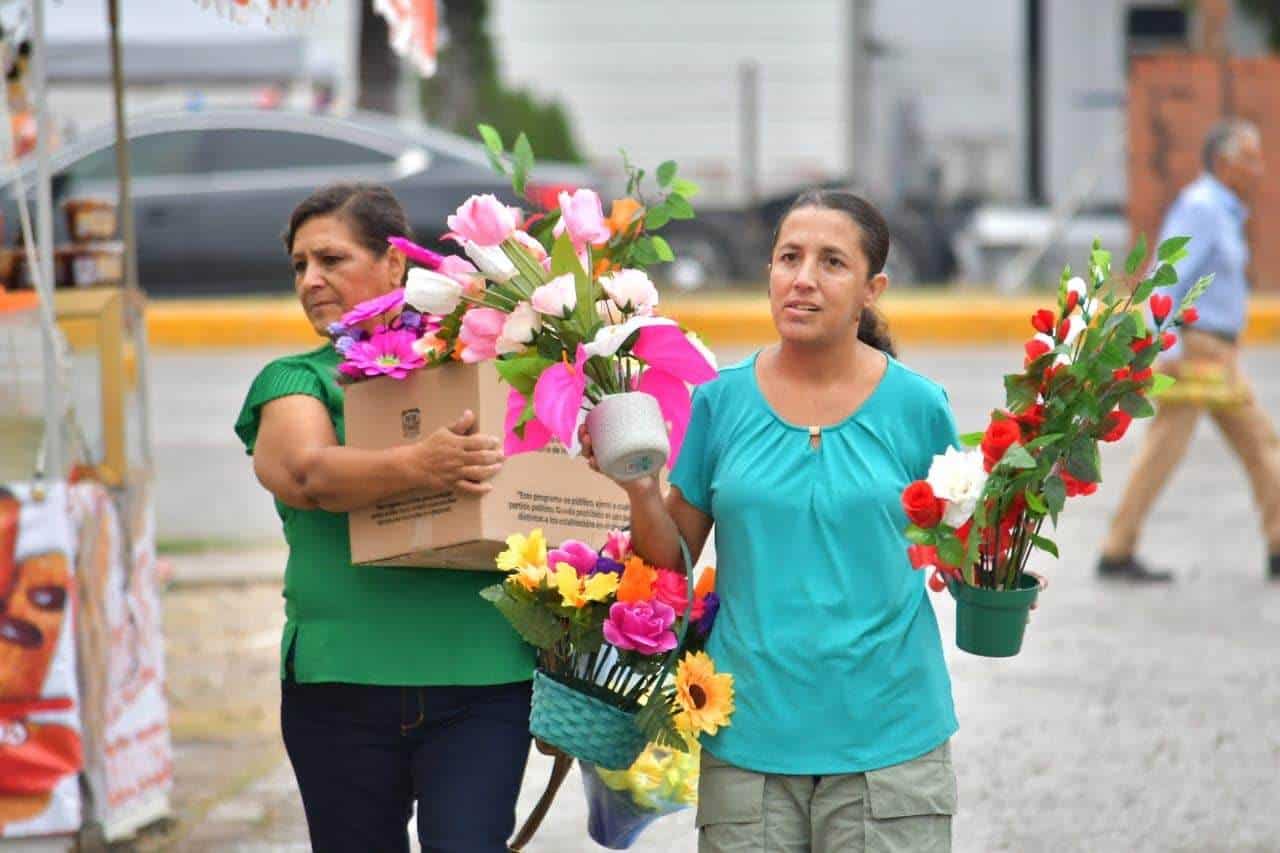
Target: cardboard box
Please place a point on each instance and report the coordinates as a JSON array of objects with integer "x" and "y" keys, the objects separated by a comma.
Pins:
[{"x": 545, "y": 489}]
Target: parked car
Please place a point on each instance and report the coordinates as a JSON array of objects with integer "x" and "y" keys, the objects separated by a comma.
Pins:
[{"x": 213, "y": 190}]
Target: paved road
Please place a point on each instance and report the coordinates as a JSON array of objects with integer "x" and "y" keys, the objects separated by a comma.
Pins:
[{"x": 1134, "y": 720}]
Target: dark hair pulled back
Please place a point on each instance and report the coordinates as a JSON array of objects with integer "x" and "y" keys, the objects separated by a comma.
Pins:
[
  {"x": 371, "y": 211},
  {"x": 874, "y": 233}
]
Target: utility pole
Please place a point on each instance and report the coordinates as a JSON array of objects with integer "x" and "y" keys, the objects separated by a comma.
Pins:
[{"x": 858, "y": 118}]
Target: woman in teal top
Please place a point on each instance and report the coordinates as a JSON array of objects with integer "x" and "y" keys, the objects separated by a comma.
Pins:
[
  {"x": 798, "y": 456},
  {"x": 399, "y": 684}
]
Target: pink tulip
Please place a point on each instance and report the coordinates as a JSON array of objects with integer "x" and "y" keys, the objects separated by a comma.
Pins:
[
  {"x": 484, "y": 220},
  {"x": 536, "y": 250},
  {"x": 618, "y": 546},
  {"x": 459, "y": 269},
  {"x": 582, "y": 215},
  {"x": 644, "y": 627},
  {"x": 479, "y": 334}
]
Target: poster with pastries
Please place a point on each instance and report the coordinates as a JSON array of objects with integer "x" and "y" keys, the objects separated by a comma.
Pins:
[{"x": 40, "y": 734}]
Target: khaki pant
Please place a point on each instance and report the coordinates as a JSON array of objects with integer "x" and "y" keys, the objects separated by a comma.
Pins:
[
  {"x": 906, "y": 807},
  {"x": 1244, "y": 425}
]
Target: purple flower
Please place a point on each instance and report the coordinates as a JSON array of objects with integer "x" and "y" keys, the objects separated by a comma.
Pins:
[
  {"x": 371, "y": 308},
  {"x": 710, "y": 607},
  {"x": 644, "y": 627},
  {"x": 604, "y": 564},
  {"x": 410, "y": 319},
  {"x": 344, "y": 344},
  {"x": 388, "y": 353},
  {"x": 580, "y": 555},
  {"x": 336, "y": 330}
]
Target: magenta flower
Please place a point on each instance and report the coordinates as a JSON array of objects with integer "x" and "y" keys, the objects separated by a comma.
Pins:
[
  {"x": 479, "y": 334},
  {"x": 371, "y": 308},
  {"x": 583, "y": 217},
  {"x": 672, "y": 589},
  {"x": 388, "y": 353},
  {"x": 484, "y": 220},
  {"x": 618, "y": 545},
  {"x": 411, "y": 250},
  {"x": 536, "y": 435},
  {"x": 643, "y": 627},
  {"x": 580, "y": 555},
  {"x": 558, "y": 395}
]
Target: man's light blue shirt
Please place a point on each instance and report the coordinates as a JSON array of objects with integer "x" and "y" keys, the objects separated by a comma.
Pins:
[{"x": 1213, "y": 217}]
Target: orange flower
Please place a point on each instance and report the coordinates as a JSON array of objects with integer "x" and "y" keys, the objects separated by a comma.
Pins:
[
  {"x": 637, "y": 581},
  {"x": 603, "y": 267},
  {"x": 622, "y": 213},
  {"x": 706, "y": 582}
]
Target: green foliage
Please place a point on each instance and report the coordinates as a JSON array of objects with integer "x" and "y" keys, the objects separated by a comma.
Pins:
[{"x": 538, "y": 627}]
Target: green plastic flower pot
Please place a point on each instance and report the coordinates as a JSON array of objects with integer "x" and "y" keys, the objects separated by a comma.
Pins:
[
  {"x": 583, "y": 726},
  {"x": 990, "y": 622}
]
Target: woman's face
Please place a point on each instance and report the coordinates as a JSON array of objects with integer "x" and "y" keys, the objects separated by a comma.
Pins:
[
  {"x": 333, "y": 272},
  {"x": 818, "y": 284}
]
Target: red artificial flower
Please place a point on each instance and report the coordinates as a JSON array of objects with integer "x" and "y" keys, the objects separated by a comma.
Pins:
[
  {"x": 1042, "y": 320},
  {"x": 1036, "y": 348},
  {"x": 1139, "y": 344},
  {"x": 1076, "y": 486},
  {"x": 1122, "y": 374},
  {"x": 1063, "y": 328},
  {"x": 921, "y": 505},
  {"x": 1116, "y": 424},
  {"x": 1142, "y": 375},
  {"x": 1073, "y": 299},
  {"x": 1161, "y": 305},
  {"x": 922, "y": 556},
  {"x": 1015, "y": 509},
  {"x": 962, "y": 532},
  {"x": 937, "y": 581},
  {"x": 1190, "y": 315},
  {"x": 999, "y": 437},
  {"x": 1031, "y": 420},
  {"x": 1167, "y": 340}
]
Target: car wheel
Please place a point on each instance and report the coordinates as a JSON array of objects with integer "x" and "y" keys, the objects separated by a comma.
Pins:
[{"x": 701, "y": 263}]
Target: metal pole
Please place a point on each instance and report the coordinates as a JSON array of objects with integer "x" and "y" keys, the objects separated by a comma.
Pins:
[
  {"x": 749, "y": 121},
  {"x": 53, "y": 402},
  {"x": 858, "y": 121},
  {"x": 135, "y": 302}
]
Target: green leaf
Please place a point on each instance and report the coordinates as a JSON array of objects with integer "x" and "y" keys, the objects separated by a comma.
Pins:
[
  {"x": 644, "y": 252},
  {"x": 666, "y": 173},
  {"x": 1055, "y": 495},
  {"x": 663, "y": 249},
  {"x": 523, "y": 154},
  {"x": 1196, "y": 291},
  {"x": 522, "y": 373},
  {"x": 1162, "y": 382},
  {"x": 538, "y": 627},
  {"x": 1137, "y": 256},
  {"x": 656, "y": 217},
  {"x": 951, "y": 551},
  {"x": 917, "y": 535},
  {"x": 1101, "y": 259},
  {"x": 1115, "y": 355},
  {"x": 1020, "y": 391},
  {"x": 678, "y": 206},
  {"x": 1143, "y": 290},
  {"x": 1044, "y": 544},
  {"x": 1035, "y": 502},
  {"x": 564, "y": 260},
  {"x": 493, "y": 147},
  {"x": 529, "y": 269},
  {"x": 656, "y": 720},
  {"x": 686, "y": 188},
  {"x": 1164, "y": 277},
  {"x": 1017, "y": 458},
  {"x": 1171, "y": 248},
  {"x": 971, "y": 439},
  {"x": 1043, "y": 441},
  {"x": 1137, "y": 405},
  {"x": 1082, "y": 460}
]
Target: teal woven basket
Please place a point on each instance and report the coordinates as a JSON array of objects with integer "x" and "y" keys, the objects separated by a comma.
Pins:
[{"x": 583, "y": 726}]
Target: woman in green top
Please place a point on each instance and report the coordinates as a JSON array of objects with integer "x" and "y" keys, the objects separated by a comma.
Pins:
[
  {"x": 798, "y": 456},
  {"x": 399, "y": 684}
]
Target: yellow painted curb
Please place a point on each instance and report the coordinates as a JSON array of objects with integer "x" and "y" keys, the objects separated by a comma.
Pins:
[{"x": 953, "y": 319}]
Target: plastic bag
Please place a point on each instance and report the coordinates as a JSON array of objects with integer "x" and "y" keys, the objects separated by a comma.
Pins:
[{"x": 622, "y": 803}]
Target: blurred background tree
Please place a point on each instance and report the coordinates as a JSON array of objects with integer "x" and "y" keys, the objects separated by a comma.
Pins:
[
  {"x": 468, "y": 90},
  {"x": 1268, "y": 12}
]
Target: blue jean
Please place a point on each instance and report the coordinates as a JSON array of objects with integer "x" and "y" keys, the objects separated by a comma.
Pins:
[{"x": 363, "y": 754}]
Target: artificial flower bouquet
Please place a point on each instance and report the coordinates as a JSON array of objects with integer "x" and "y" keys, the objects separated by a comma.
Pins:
[
  {"x": 976, "y": 518},
  {"x": 560, "y": 302},
  {"x": 622, "y": 803},
  {"x": 609, "y": 629}
]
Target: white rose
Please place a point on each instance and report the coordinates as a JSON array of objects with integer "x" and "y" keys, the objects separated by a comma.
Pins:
[
  {"x": 631, "y": 290},
  {"x": 518, "y": 331},
  {"x": 491, "y": 261},
  {"x": 432, "y": 293},
  {"x": 1078, "y": 286},
  {"x": 556, "y": 298},
  {"x": 958, "y": 477}
]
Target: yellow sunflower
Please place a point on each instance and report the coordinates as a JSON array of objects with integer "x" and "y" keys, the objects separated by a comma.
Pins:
[{"x": 705, "y": 696}]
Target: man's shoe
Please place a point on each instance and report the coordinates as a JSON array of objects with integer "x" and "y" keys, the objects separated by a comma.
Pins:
[
  {"x": 1273, "y": 568},
  {"x": 1129, "y": 569}
]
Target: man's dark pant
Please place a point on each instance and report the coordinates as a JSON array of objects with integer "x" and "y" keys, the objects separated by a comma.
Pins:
[{"x": 363, "y": 754}]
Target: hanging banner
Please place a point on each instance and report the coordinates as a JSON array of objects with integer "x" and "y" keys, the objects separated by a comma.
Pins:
[
  {"x": 126, "y": 717},
  {"x": 40, "y": 742},
  {"x": 413, "y": 28}
]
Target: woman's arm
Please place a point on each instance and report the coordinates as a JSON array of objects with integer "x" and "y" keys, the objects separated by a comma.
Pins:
[
  {"x": 656, "y": 522},
  {"x": 298, "y": 459}
]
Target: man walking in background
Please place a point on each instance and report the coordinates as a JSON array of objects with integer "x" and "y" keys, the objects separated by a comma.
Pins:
[{"x": 1206, "y": 360}]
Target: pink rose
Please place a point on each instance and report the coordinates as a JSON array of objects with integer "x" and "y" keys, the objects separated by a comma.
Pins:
[
  {"x": 484, "y": 220},
  {"x": 556, "y": 298},
  {"x": 672, "y": 589},
  {"x": 618, "y": 546},
  {"x": 580, "y": 555},
  {"x": 644, "y": 627},
  {"x": 479, "y": 334},
  {"x": 583, "y": 216}
]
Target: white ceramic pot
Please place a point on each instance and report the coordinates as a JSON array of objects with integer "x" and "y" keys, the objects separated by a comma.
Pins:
[{"x": 628, "y": 435}]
